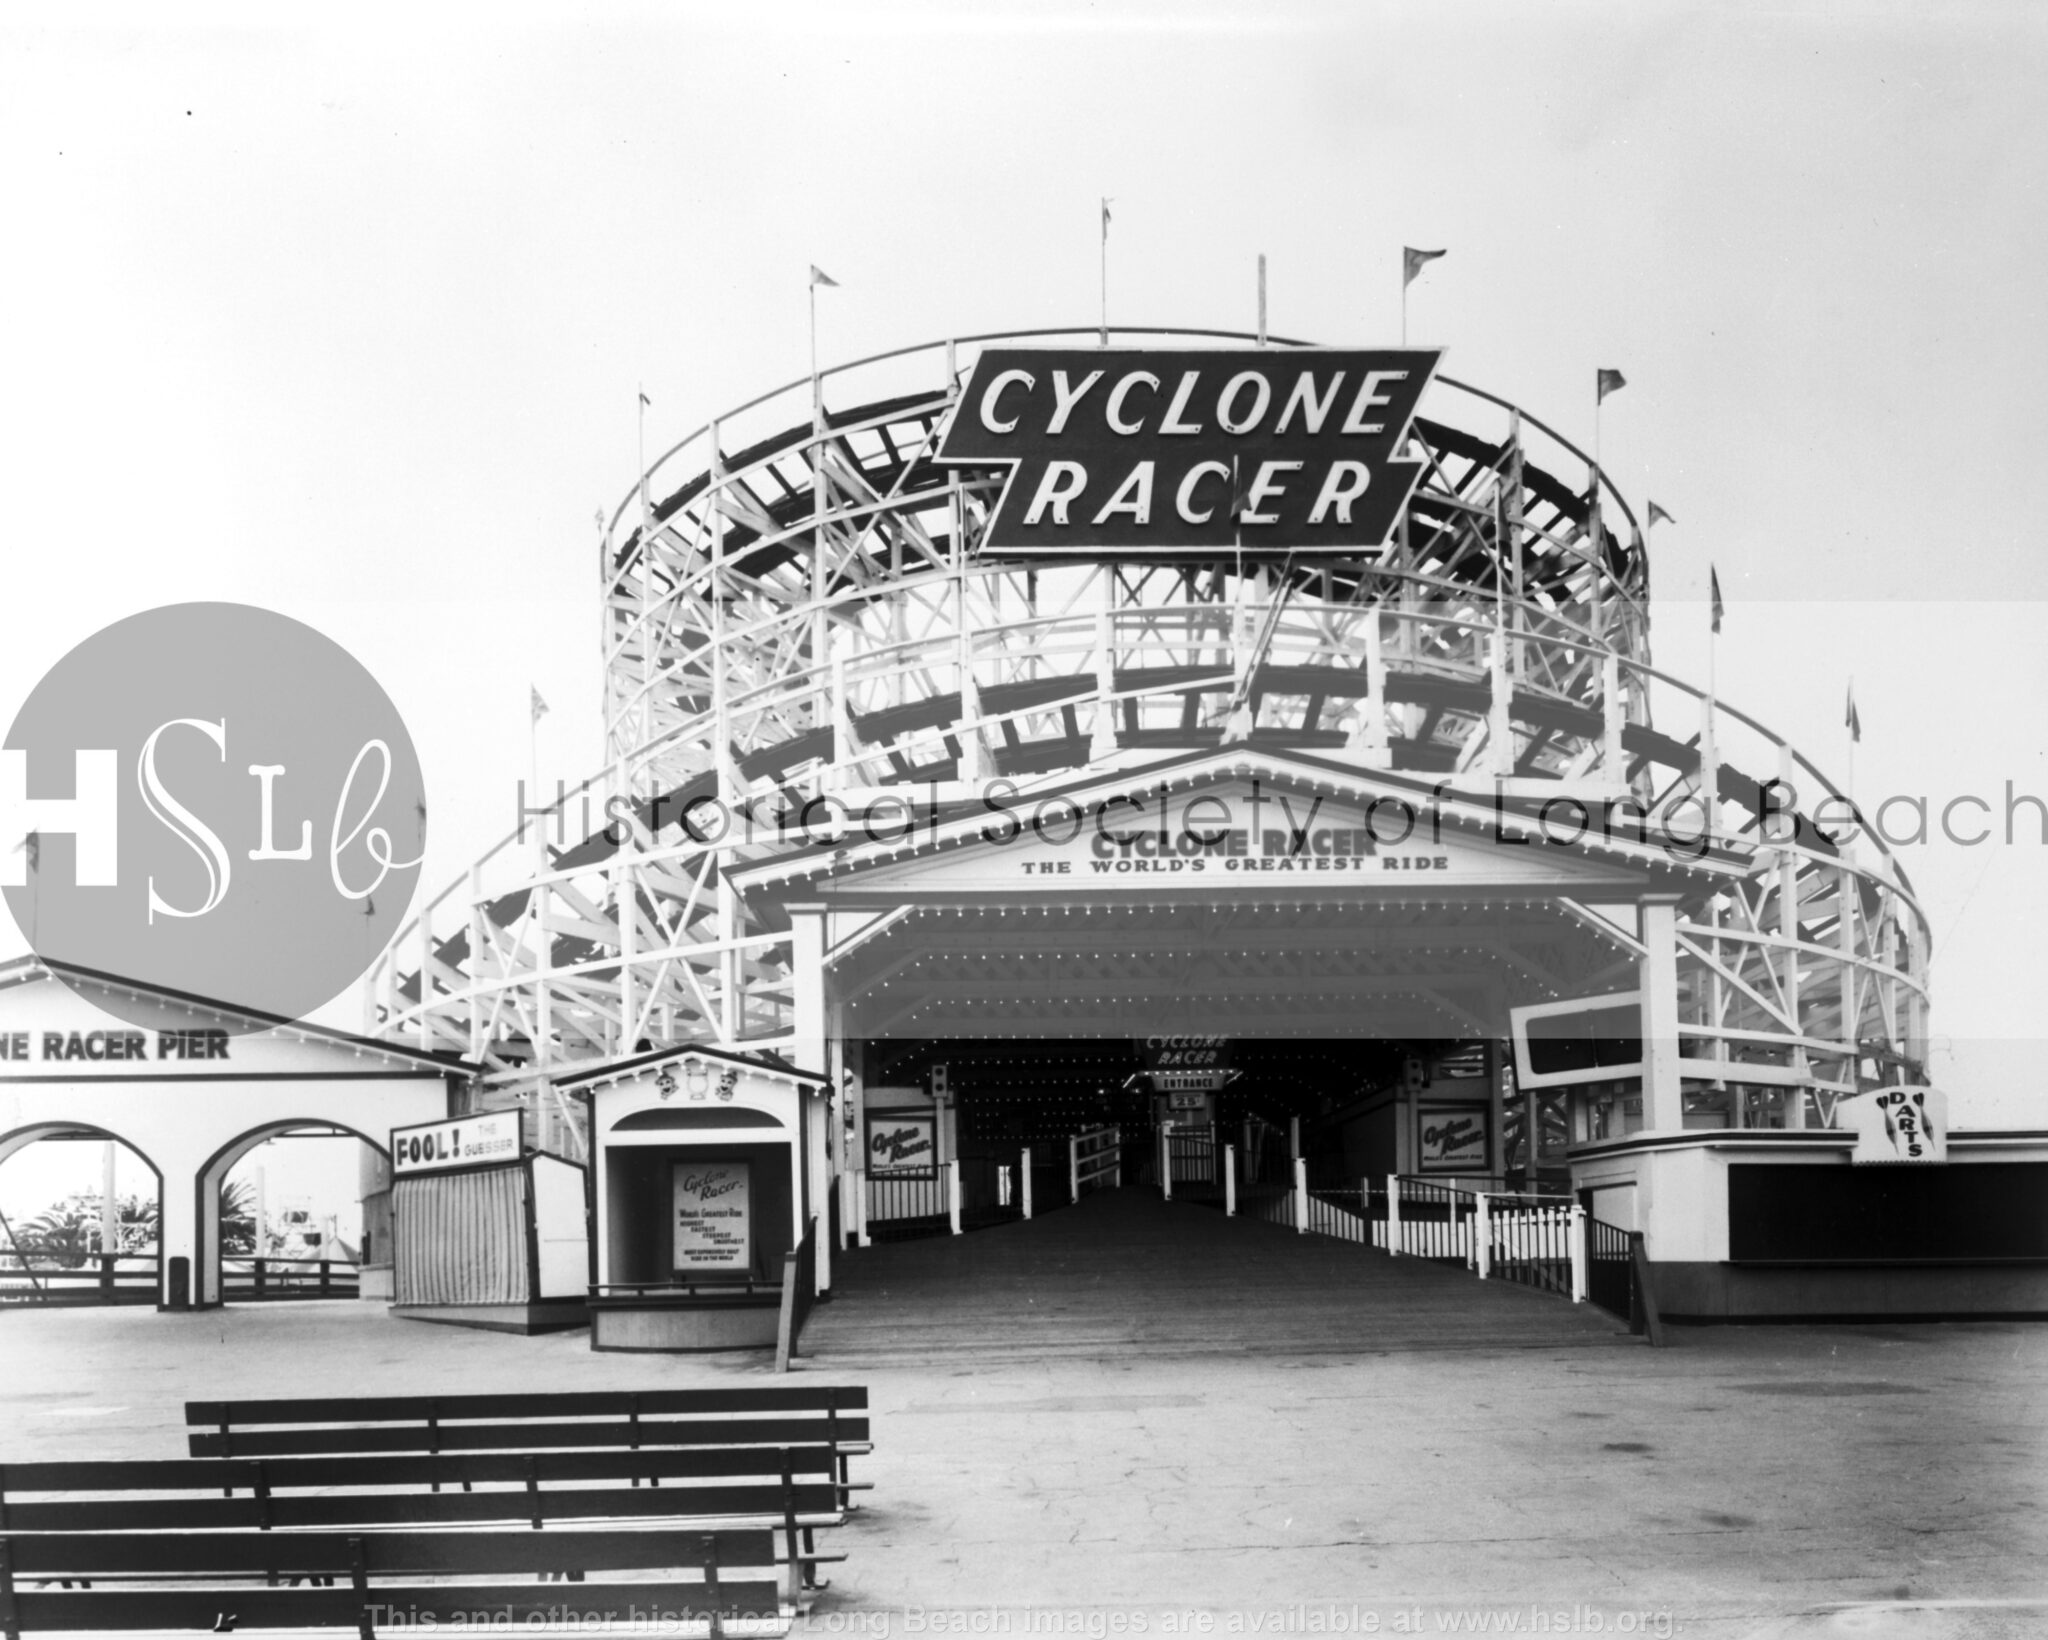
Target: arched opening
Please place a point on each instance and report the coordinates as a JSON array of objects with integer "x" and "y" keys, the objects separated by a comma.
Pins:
[
  {"x": 81, "y": 1217},
  {"x": 281, "y": 1212}
]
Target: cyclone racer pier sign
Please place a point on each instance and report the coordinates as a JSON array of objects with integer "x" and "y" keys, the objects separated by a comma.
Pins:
[{"x": 1177, "y": 450}]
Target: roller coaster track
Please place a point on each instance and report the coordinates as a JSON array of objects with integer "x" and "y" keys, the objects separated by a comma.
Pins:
[{"x": 798, "y": 601}]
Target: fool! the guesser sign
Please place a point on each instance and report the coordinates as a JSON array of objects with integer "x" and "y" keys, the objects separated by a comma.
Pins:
[{"x": 1137, "y": 450}]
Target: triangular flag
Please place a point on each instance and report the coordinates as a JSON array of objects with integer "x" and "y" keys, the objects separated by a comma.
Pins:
[
  {"x": 1413, "y": 261},
  {"x": 1850, "y": 719},
  {"x": 540, "y": 707},
  {"x": 645, "y": 402},
  {"x": 820, "y": 277},
  {"x": 1714, "y": 588},
  {"x": 31, "y": 844},
  {"x": 1607, "y": 381},
  {"x": 1659, "y": 516},
  {"x": 1105, "y": 217}
]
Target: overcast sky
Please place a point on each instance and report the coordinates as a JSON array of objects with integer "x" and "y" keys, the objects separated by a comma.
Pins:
[{"x": 348, "y": 321}]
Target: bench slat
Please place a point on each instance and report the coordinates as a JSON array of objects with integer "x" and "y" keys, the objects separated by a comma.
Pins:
[
  {"x": 395, "y": 1608},
  {"x": 263, "y": 1443},
  {"x": 283, "y": 1474},
  {"x": 568, "y": 1404},
  {"x": 288, "y": 1554},
  {"x": 814, "y": 1503}
]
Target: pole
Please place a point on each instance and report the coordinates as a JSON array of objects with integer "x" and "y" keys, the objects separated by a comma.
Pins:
[
  {"x": 1105, "y": 270},
  {"x": 1849, "y": 775},
  {"x": 110, "y": 1213},
  {"x": 1262, "y": 298}
]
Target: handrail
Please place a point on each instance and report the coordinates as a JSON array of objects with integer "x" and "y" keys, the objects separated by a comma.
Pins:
[{"x": 1104, "y": 1156}]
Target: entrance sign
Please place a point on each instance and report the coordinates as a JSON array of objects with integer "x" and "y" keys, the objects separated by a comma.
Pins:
[
  {"x": 1897, "y": 1125},
  {"x": 1134, "y": 449},
  {"x": 475, "y": 1141},
  {"x": 901, "y": 1138},
  {"x": 1191, "y": 1083},
  {"x": 1453, "y": 1137},
  {"x": 714, "y": 1222}
]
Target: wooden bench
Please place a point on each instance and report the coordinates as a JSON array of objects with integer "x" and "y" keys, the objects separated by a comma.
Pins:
[
  {"x": 833, "y": 1415},
  {"x": 718, "y": 1584},
  {"x": 793, "y": 1490}
]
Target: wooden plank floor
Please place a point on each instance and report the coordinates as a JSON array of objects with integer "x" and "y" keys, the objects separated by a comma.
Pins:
[{"x": 1126, "y": 1271}]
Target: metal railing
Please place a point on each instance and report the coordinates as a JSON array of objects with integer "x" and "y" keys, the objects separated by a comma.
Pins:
[
  {"x": 1094, "y": 1155},
  {"x": 1190, "y": 1164},
  {"x": 1610, "y": 1268},
  {"x": 105, "y": 1278},
  {"x": 1357, "y": 1215},
  {"x": 1265, "y": 1167},
  {"x": 903, "y": 1203},
  {"x": 995, "y": 1189},
  {"x": 947, "y": 1198},
  {"x": 1429, "y": 1220},
  {"x": 252, "y": 1280},
  {"x": 1532, "y": 1245}
]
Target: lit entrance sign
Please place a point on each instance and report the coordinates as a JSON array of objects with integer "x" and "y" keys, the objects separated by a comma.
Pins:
[{"x": 1135, "y": 450}]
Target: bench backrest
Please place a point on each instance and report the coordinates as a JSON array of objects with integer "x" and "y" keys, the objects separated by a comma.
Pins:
[
  {"x": 535, "y": 1488},
  {"x": 834, "y": 1414},
  {"x": 351, "y": 1409},
  {"x": 734, "y": 1578}
]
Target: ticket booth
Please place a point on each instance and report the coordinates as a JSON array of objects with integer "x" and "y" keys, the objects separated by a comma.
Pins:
[
  {"x": 709, "y": 1169},
  {"x": 485, "y": 1233}
]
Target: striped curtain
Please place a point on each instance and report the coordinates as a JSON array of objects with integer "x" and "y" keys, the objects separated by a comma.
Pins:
[{"x": 460, "y": 1238}]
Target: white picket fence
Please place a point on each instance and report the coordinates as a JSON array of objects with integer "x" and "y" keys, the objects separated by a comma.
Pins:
[{"x": 1532, "y": 1241}]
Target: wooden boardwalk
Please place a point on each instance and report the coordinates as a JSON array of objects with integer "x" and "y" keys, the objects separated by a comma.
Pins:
[{"x": 1124, "y": 1271}]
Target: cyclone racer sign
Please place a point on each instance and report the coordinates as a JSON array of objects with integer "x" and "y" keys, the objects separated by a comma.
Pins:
[{"x": 1140, "y": 450}]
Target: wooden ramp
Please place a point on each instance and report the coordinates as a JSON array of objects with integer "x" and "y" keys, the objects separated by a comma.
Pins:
[{"x": 1124, "y": 1272}]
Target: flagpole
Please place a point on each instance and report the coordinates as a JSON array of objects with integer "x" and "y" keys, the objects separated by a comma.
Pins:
[
  {"x": 533, "y": 775},
  {"x": 1262, "y": 298},
  {"x": 1855, "y": 727},
  {"x": 1105, "y": 270},
  {"x": 646, "y": 521},
  {"x": 815, "y": 399}
]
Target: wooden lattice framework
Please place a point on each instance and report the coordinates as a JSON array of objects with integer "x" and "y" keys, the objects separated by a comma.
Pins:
[{"x": 796, "y": 601}]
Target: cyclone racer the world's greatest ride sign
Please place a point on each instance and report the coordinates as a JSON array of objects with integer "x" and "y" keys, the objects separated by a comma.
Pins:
[{"x": 1121, "y": 449}]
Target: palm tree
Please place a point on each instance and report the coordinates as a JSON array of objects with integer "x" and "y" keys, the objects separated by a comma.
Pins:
[
  {"x": 67, "y": 1234},
  {"x": 238, "y": 1218}
]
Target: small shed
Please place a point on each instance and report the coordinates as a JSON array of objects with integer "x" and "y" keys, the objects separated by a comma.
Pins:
[
  {"x": 484, "y": 1232},
  {"x": 709, "y": 1167}
]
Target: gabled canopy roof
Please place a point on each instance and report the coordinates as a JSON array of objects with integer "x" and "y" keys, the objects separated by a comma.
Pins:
[
  {"x": 1467, "y": 819},
  {"x": 33, "y": 969}
]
